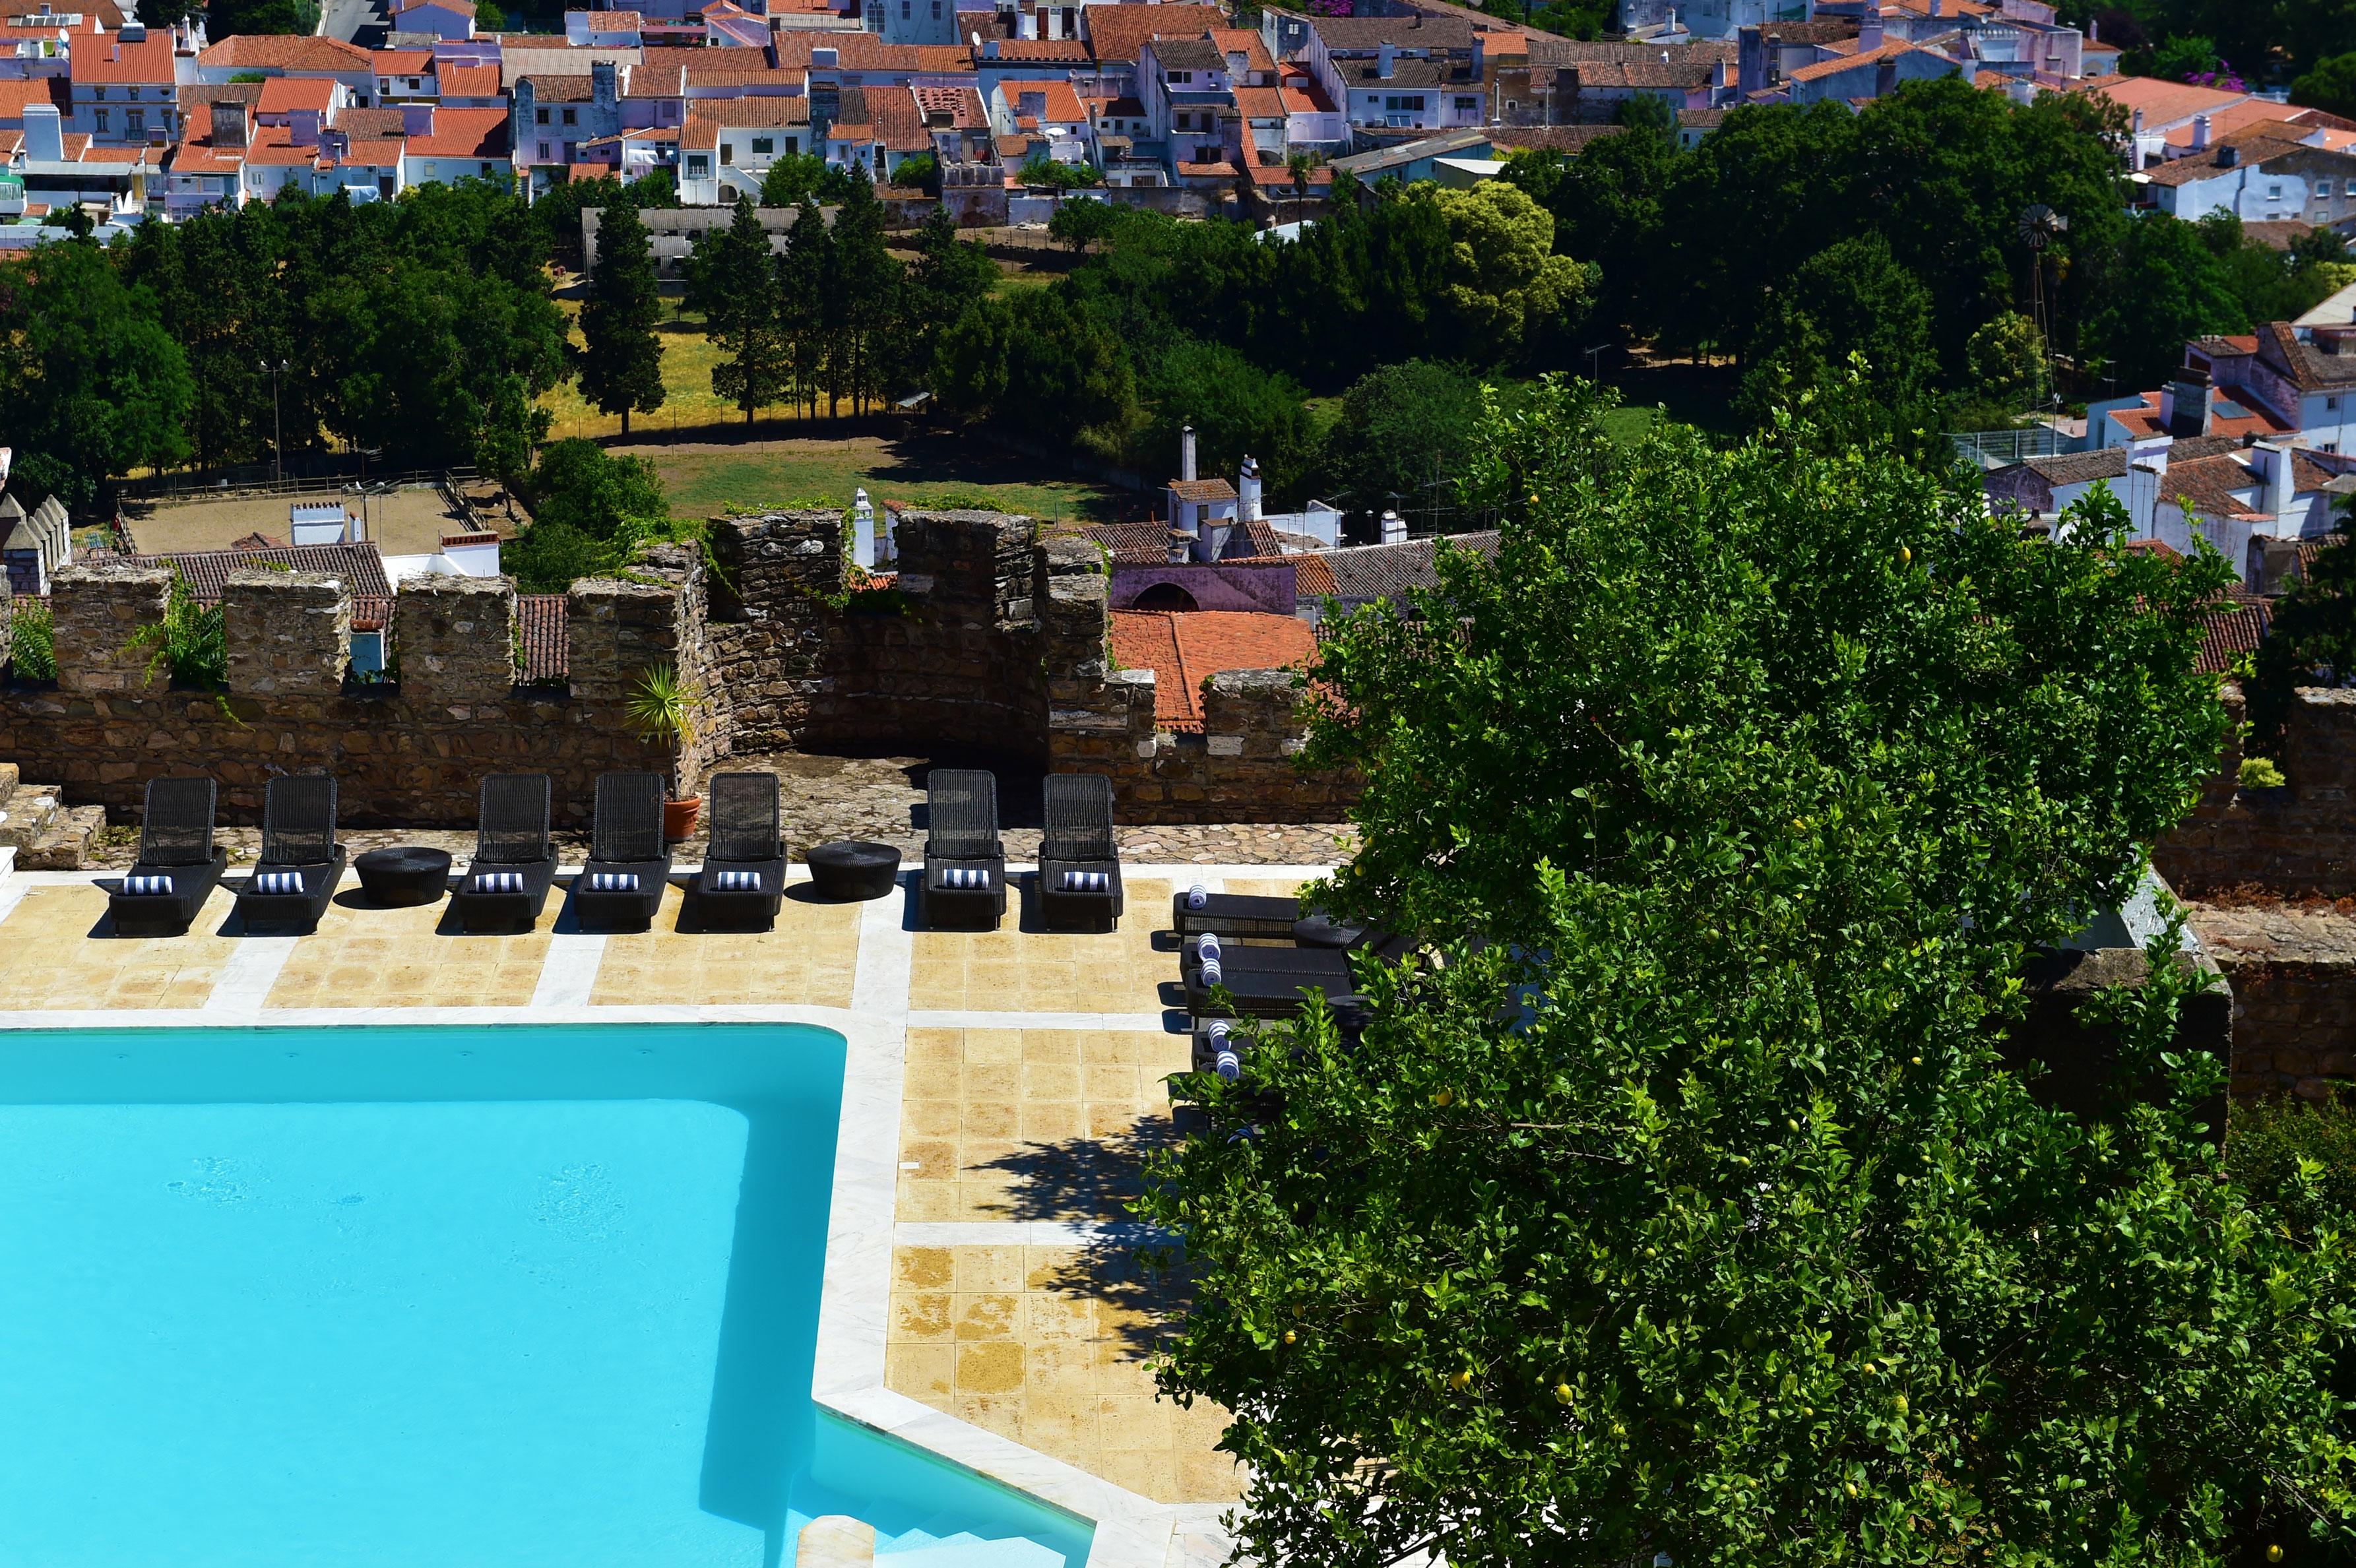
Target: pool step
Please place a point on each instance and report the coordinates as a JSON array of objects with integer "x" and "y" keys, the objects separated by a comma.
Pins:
[
  {"x": 964, "y": 1550},
  {"x": 835, "y": 1541}
]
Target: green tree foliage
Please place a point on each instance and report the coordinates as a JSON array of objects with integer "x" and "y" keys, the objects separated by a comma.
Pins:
[
  {"x": 91, "y": 380},
  {"x": 950, "y": 277},
  {"x": 590, "y": 511},
  {"x": 2271, "y": 285},
  {"x": 1853, "y": 299},
  {"x": 736, "y": 287},
  {"x": 1237, "y": 409},
  {"x": 2176, "y": 58},
  {"x": 1506, "y": 287},
  {"x": 2007, "y": 361},
  {"x": 226, "y": 18},
  {"x": 620, "y": 364},
  {"x": 1037, "y": 363},
  {"x": 2168, "y": 285},
  {"x": 1582, "y": 19},
  {"x": 1080, "y": 224},
  {"x": 1040, "y": 170},
  {"x": 556, "y": 212},
  {"x": 1403, "y": 429},
  {"x": 2330, "y": 86},
  {"x": 407, "y": 326},
  {"x": 1695, "y": 1209},
  {"x": 799, "y": 174},
  {"x": 863, "y": 300},
  {"x": 920, "y": 171},
  {"x": 1608, "y": 203}
]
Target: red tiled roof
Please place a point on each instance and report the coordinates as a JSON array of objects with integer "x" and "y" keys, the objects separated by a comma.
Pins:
[
  {"x": 359, "y": 566},
  {"x": 540, "y": 629},
  {"x": 2163, "y": 102},
  {"x": 1183, "y": 649},
  {"x": 15, "y": 94},
  {"x": 285, "y": 95},
  {"x": 468, "y": 81},
  {"x": 111, "y": 60},
  {"x": 2233, "y": 628},
  {"x": 283, "y": 52},
  {"x": 1311, "y": 577},
  {"x": 1117, "y": 32},
  {"x": 400, "y": 62},
  {"x": 463, "y": 133}
]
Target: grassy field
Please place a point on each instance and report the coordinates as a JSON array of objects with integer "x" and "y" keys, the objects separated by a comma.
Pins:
[
  {"x": 706, "y": 479},
  {"x": 688, "y": 359}
]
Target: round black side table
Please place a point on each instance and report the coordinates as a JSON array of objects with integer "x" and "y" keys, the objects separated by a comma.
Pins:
[
  {"x": 853, "y": 868},
  {"x": 404, "y": 876}
]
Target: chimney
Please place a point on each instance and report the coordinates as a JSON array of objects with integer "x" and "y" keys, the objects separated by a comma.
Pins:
[
  {"x": 417, "y": 119},
  {"x": 1386, "y": 62},
  {"x": 2272, "y": 464},
  {"x": 2201, "y": 128},
  {"x": 1868, "y": 34},
  {"x": 132, "y": 31},
  {"x": 2094, "y": 30},
  {"x": 1394, "y": 529},
  {"x": 2135, "y": 123},
  {"x": 45, "y": 140},
  {"x": 303, "y": 127},
  {"x": 1210, "y": 536},
  {"x": 1186, "y": 455},
  {"x": 1182, "y": 547},
  {"x": 1938, "y": 9},
  {"x": 2184, "y": 405},
  {"x": 1247, "y": 491},
  {"x": 2228, "y": 155},
  {"x": 989, "y": 49},
  {"x": 229, "y": 123},
  {"x": 827, "y": 59}
]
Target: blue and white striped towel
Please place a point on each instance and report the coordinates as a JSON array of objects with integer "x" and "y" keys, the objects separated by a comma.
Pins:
[
  {"x": 1218, "y": 1031},
  {"x": 498, "y": 881},
  {"x": 736, "y": 882},
  {"x": 614, "y": 881},
  {"x": 1197, "y": 896},
  {"x": 1207, "y": 945},
  {"x": 1228, "y": 1065},
  {"x": 965, "y": 877},
  {"x": 277, "y": 881},
  {"x": 1211, "y": 972},
  {"x": 146, "y": 887},
  {"x": 1086, "y": 881}
]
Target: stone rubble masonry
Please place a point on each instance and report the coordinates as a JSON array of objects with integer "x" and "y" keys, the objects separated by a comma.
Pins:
[
  {"x": 287, "y": 634},
  {"x": 991, "y": 639},
  {"x": 2297, "y": 840},
  {"x": 2293, "y": 975}
]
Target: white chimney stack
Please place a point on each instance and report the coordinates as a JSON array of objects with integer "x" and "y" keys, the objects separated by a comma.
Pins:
[
  {"x": 2201, "y": 127},
  {"x": 1248, "y": 492},
  {"x": 1185, "y": 437},
  {"x": 1394, "y": 529},
  {"x": 45, "y": 140},
  {"x": 1386, "y": 62},
  {"x": 863, "y": 530}
]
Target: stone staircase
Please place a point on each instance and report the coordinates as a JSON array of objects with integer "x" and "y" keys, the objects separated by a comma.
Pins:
[
  {"x": 45, "y": 834},
  {"x": 838, "y": 1541}
]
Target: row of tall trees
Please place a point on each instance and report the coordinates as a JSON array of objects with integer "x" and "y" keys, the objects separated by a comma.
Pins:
[
  {"x": 1900, "y": 232},
  {"x": 421, "y": 329}
]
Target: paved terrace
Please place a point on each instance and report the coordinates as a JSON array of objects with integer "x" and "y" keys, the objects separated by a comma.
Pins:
[{"x": 1002, "y": 1090}]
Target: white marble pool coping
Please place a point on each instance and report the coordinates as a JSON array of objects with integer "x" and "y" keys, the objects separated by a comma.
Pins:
[{"x": 854, "y": 1309}]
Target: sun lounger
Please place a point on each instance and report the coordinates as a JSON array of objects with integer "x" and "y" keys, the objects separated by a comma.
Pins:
[
  {"x": 1264, "y": 981},
  {"x": 965, "y": 864},
  {"x": 514, "y": 865},
  {"x": 744, "y": 875},
  {"x": 630, "y": 862},
  {"x": 1241, "y": 916},
  {"x": 1079, "y": 870},
  {"x": 301, "y": 860},
  {"x": 178, "y": 864}
]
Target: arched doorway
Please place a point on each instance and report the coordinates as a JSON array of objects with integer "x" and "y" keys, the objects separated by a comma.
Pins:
[{"x": 1165, "y": 597}]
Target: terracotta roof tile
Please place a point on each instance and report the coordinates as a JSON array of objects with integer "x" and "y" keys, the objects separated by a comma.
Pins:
[
  {"x": 283, "y": 52},
  {"x": 540, "y": 629},
  {"x": 1117, "y": 32},
  {"x": 2232, "y": 629},
  {"x": 1183, "y": 649},
  {"x": 360, "y": 565}
]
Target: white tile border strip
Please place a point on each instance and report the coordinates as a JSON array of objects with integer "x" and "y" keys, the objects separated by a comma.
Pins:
[{"x": 1131, "y": 1530}]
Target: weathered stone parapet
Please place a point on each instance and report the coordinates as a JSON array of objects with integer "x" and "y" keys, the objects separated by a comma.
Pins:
[
  {"x": 98, "y": 612},
  {"x": 615, "y": 631},
  {"x": 1251, "y": 713},
  {"x": 969, "y": 564},
  {"x": 2292, "y": 973},
  {"x": 286, "y": 632},
  {"x": 2296, "y": 840},
  {"x": 774, "y": 561},
  {"x": 454, "y": 639}
]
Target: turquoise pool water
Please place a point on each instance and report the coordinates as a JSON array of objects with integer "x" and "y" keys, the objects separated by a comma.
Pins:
[{"x": 280, "y": 1297}]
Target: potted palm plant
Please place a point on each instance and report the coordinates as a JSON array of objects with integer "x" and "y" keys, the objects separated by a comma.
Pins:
[{"x": 660, "y": 710}]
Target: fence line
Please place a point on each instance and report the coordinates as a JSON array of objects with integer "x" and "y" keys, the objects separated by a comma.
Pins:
[{"x": 1995, "y": 448}]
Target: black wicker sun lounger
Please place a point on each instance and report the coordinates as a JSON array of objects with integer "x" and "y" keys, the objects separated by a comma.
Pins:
[
  {"x": 514, "y": 864},
  {"x": 1267, "y": 982},
  {"x": 301, "y": 861},
  {"x": 965, "y": 864},
  {"x": 1240, "y": 915},
  {"x": 744, "y": 874},
  {"x": 1079, "y": 870},
  {"x": 629, "y": 864},
  {"x": 178, "y": 866}
]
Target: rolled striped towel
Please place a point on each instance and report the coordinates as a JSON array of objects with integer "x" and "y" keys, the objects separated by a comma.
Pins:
[
  {"x": 614, "y": 881},
  {"x": 147, "y": 886},
  {"x": 1211, "y": 972},
  {"x": 1228, "y": 1065},
  {"x": 1207, "y": 945},
  {"x": 737, "y": 881},
  {"x": 498, "y": 881},
  {"x": 277, "y": 881},
  {"x": 1218, "y": 1031},
  {"x": 1197, "y": 896},
  {"x": 1086, "y": 881},
  {"x": 966, "y": 877}
]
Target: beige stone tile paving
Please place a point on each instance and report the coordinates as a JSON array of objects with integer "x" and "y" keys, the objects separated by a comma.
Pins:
[
  {"x": 1266, "y": 887},
  {"x": 365, "y": 957},
  {"x": 1050, "y": 1347},
  {"x": 810, "y": 959},
  {"x": 1031, "y": 1123},
  {"x": 57, "y": 949},
  {"x": 1015, "y": 970}
]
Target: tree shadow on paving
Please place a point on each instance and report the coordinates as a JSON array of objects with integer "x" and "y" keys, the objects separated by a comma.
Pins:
[{"x": 1088, "y": 1180}]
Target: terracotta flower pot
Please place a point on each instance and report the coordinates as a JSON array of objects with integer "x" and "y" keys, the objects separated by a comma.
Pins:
[{"x": 678, "y": 817}]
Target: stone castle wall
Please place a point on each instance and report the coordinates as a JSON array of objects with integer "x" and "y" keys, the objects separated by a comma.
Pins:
[
  {"x": 405, "y": 752},
  {"x": 2296, "y": 840}
]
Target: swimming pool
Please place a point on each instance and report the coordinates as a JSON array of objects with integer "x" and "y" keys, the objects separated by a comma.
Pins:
[{"x": 512, "y": 1296}]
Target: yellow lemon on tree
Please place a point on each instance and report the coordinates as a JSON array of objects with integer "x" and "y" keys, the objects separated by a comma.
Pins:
[
  {"x": 1562, "y": 1392},
  {"x": 1290, "y": 1336}
]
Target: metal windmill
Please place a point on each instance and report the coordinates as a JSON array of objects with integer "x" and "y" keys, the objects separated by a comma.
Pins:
[{"x": 2040, "y": 224}]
